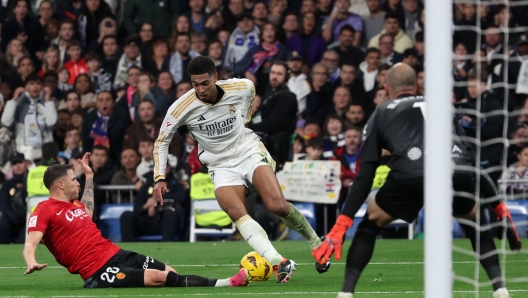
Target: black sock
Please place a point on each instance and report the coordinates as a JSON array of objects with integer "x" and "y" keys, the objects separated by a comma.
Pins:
[
  {"x": 360, "y": 253},
  {"x": 176, "y": 280},
  {"x": 490, "y": 263}
]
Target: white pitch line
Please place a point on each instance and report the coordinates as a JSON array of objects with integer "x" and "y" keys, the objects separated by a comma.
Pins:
[
  {"x": 263, "y": 293},
  {"x": 298, "y": 264}
]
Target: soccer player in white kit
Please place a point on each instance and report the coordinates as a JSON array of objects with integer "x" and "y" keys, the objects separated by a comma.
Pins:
[{"x": 216, "y": 112}]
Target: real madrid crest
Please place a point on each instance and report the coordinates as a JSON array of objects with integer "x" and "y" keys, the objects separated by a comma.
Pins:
[
  {"x": 12, "y": 192},
  {"x": 232, "y": 109}
]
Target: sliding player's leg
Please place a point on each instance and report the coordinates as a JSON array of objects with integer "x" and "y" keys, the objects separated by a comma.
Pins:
[
  {"x": 231, "y": 200},
  {"x": 155, "y": 278},
  {"x": 362, "y": 246}
]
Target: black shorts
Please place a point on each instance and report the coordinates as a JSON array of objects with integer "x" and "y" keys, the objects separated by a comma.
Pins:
[
  {"x": 124, "y": 270},
  {"x": 403, "y": 198}
]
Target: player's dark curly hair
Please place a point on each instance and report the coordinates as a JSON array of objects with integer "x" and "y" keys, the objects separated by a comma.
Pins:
[{"x": 201, "y": 65}]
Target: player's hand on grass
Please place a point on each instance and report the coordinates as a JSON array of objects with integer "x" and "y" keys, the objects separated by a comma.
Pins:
[
  {"x": 85, "y": 161},
  {"x": 159, "y": 190},
  {"x": 34, "y": 266},
  {"x": 333, "y": 241}
]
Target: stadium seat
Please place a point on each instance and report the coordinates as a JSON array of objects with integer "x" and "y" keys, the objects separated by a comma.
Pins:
[
  {"x": 202, "y": 206},
  {"x": 109, "y": 218},
  {"x": 308, "y": 210}
]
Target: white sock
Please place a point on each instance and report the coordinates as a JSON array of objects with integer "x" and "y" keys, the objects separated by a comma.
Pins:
[
  {"x": 223, "y": 282},
  {"x": 501, "y": 292},
  {"x": 257, "y": 238}
]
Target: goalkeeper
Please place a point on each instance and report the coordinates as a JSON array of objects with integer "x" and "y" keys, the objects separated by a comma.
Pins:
[{"x": 398, "y": 126}]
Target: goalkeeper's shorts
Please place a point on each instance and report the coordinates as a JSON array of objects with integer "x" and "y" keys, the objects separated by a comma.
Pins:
[{"x": 403, "y": 198}]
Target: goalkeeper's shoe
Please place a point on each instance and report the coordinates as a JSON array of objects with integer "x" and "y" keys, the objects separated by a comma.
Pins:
[
  {"x": 514, "y": 240},
  {"x": 501, "y": 293},
  {"x": 242, "y": 278},
  {"x": 344, "y": 295},
  {"x": 284, "y": 270}
]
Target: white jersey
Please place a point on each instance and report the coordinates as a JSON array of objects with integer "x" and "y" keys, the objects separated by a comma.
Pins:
[{"x": 219, "y": 129}]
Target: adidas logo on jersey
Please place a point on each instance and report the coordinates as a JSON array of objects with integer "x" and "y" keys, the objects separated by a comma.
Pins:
[{"x": 202, "y": 118}]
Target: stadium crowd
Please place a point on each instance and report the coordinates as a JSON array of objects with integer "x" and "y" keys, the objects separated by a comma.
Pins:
[{"x": 99, "y": 76}]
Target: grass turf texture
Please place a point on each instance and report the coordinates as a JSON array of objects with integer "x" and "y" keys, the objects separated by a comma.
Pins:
[{"x": 397, "y": 262}]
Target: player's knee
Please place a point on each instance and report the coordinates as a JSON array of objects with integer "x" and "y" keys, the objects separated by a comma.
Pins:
[{"x": 279, "y": 206}]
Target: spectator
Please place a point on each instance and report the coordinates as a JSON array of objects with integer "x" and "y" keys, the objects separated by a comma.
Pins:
[
  {"x": 381, "y": 97},
  {"x": 392, "y": 27},
  {"x": 387, "y": 54},
  {"x": 103, "y": 169},
  {"x": 45, "y": 12},
  {"x": 147, "y": 90},
  {"x": 517, "y": 79},
  {"x": 77, "y": 64},
  {"x": 107, "y": 27},
  {"x": 213, "y": 5},
  {"x": 32, "y": 116},
  {"x": 131, "y": 57},
  {"x": 51, "y": 80},
  {"x": 14, "y": 52},
  {"x": 124, "y": 103},
  {"x": 276, "y": 8},
  {"x": 199, "y": 43},
  {"x": 13, "y": 202},
  {"x": 146, "y": 150},
  {"x": 73, "y": 141},
  {"x": 24, "y": 69},
  {"x": 64, "y": 78},
  {"x": 147, "y": 126},
  {"x": 518, "y": 171},
  {"x": 355, "y": 116},
  {"x": 183, "y": 25},
  {"x": 341, "y": 100},
  {"x": 298, "y": 83},
  {"x": 157, "y": 58},
  {"x": 166, "y": 83},
  {"x": 394, "y": 7},
  {"x": 71, "y": 101},
  {"x": 110, "y": 55},
  {"x": 491, "y": 127},
  {"x": 66, "y": 34},
  {"x": 278, "y": 114},
  {"x": 333, "y": 136},
  {"x": 257, "y": 62},
  {"x": 340, "y": 17},
  {"x": 77, "y": 117},
  {"x": 149, "y": 219},
  {"x": 184, "y": 87},
  {"x": 420, "y": 80},
  {"x": 160, "y": 14},
  {"x": 348, "y": 156},
  {"x": 146, "y": 36},
  {"x": 321, "y": 91},
  {"x": 101, "y": 80},
  {"x": 369, "y": 68},
  {"x": 51, "y": 61},
  {"x": 214, "y": 51},
  {"x": 59, "y": 134},
  {"x": 314, "y": 150},
  {"x": 25, "y": 28},
  {"x": 419, "y": 45},
  {"x": 70, "y": 10},
  {"x": 410, "y": 57},
  {"x": 214, "y": 23},
  {"x": 51, "y": 30},
  {"x": 347, "y": 78},
  {"x": 105, "y": 126},
  {"x": 260, "y": 14},
  {"x": 126, "y": 174},
  {"x": 348, "y": 53},
  {"x": 92, "y": 15},
  {"x": 290, "y": 26},
  {"x": 411, "y": 13},
  {"x": 461, "y": 67},
  {"x": 244, "y": 37},
  {"x": 307, "y": 6},
  {"x": 197, "y": 15},
  {"x": 84, "y": 87},
  {"x": 373, "y": 22},
  {"x": 323, "y": 10},
  {"x": 179, "y": 61},
  {"x": 308, "y": 42},
  {"x": 493, "y": 47},
  {"x": 331, "y": 61},
  {"x": 311, "y": 130}
]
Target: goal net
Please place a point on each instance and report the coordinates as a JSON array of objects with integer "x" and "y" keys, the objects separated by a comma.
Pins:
[{"x": 490, "y": 91}]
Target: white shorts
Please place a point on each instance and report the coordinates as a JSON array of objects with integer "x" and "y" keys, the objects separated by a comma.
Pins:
[{"x": 238, "y": 170}]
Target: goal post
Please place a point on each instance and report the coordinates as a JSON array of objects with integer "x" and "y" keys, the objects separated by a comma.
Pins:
[{"x": 438, "y": 143}]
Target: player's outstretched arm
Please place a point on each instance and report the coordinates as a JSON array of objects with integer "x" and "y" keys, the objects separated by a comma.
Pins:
[
  {"x": 88, "y": 195},
  {"x": 32, "y": 241}
]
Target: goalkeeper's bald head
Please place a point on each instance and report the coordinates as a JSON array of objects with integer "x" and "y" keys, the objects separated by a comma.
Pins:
[{"x": 401, "y": 79}]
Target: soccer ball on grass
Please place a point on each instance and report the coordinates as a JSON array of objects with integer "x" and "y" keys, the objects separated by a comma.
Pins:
[{"x": 259, "y": 268}]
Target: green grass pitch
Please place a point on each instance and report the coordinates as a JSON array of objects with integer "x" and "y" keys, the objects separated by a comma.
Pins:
[{"x": 397, "y": 266}]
